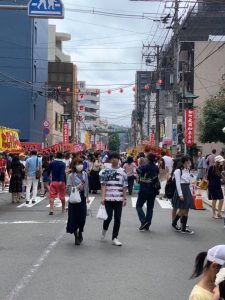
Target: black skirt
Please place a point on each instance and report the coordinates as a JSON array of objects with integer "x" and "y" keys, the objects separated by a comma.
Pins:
[
  {"x": 215, "y": 193},
  {"x": 188, "y": 201},
  {"x": 94, "y": 183},
  {"x": 77, "y": 213},
  {"x": 16, "y": 184}
]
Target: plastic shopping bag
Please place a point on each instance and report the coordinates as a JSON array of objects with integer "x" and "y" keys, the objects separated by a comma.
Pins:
[
  {"x": 102, "y": 214},
  {"x": 74, "y": 196},
  {"x": 89, "y": 211}
]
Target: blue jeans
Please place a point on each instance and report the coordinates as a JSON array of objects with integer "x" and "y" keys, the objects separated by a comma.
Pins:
[{"x": 145, "y": 196}]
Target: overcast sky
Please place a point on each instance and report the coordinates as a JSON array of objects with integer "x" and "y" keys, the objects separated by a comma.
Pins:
[{"x": 90, "y": 31}]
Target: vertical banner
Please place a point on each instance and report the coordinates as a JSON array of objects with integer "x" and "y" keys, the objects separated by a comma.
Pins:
[
  {"x": 152, "y": 139},
  {"x": 189, "y": 127},
  {"x": 65, "y": 133},
  {"x": 174, "y": 134},
  {"x": 162, "y": 130}
]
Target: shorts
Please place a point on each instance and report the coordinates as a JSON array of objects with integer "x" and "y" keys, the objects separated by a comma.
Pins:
[{"x": 57, "y": 189}]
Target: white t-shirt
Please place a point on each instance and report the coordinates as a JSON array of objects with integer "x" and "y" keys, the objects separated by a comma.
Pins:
[
  {"x": 198, "y": 293},
  {"x": 115, "y": 181},
  {"x": 168, "y": 162}
]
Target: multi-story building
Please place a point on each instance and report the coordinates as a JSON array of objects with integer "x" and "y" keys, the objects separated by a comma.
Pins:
[
  {"x": 89, "y": 112},
  {"x": 143, "y": 116},
  {"x": 195, "y": 46},
  {"x": 23, "y": 72},
  {"x": 62, "y": 89},
  {"x": 55, "y": 45}
]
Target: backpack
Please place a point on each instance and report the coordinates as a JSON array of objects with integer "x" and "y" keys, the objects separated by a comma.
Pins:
[{"x": 170, "y": 187}]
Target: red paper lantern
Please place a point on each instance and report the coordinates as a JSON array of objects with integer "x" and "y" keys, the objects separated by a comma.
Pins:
[
  {"x": 77, "y": 91},
  {"x": 81, "y": 96},
  {"x": 160, "y": 82},
  {"x": 97, "y": 92},
  {"x": 109, "y": 91},
  {"x": 59, "y": 87},
  {"x": 121, "y": 91},
  {"x": 68, "y": 90},
  {"x": 147, "y": 87}
]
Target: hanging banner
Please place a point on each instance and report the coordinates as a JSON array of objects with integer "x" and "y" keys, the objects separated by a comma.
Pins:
[
  {"x": 27, "y": 147},
  {"x": 189, "y": 127},
  {"x": 66, "y": 133},
  {"x": 78, "y": 148}
]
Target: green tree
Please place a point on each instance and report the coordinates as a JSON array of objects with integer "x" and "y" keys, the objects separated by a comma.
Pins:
[
  {"x": 114, "y": 142},
  {"x": 213, "y": 119}
]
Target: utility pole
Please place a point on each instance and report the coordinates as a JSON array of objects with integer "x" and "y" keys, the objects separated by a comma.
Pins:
[
  {"x": 156, "y": 56},
  {"x": 183, "y": 104},
  {"x": 148, "y": 113},
  {"x": 175, "y": 73},
  {"x": 157, "y": 123}
]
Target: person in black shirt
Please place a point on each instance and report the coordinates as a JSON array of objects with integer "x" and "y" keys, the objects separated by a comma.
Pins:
[{"x": 149, "y": 188}]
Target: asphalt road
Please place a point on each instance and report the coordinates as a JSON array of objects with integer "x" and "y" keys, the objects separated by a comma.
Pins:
[{"x": 39, "y": 260}]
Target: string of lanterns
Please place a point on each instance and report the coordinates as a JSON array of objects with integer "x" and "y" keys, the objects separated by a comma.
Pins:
[{"x": 147, "y": 87}]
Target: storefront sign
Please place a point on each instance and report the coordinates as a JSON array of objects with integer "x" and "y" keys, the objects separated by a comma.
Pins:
[
  {"x": 9, "y": 140},
  {"x": 189, "y": 127},
  {"x": 66, "y": 133}
]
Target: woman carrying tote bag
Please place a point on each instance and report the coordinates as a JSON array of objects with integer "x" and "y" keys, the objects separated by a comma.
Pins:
[{"x": 77, "y": 211}]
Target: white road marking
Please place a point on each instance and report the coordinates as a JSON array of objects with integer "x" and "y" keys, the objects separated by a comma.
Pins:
[
  {"x": 134, "y": 201},
  {"x": 28, "y": 276},
  {"x": 33, "y": 222},
  {"x": 58, "y": 203},
  {"x": 166, "y": 204},
  {"x": 38, "y": 200},
  {"x": 6, "y": 190},
  {"x": 91, "y": 199}
]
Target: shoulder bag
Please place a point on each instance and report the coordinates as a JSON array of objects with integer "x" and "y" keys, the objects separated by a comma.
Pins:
[{"x": 38, "y": 171}]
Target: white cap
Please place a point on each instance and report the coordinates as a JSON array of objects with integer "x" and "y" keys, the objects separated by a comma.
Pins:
[
  {"x": 217, "y": 254},
  {"x": 219, "y": 158}
]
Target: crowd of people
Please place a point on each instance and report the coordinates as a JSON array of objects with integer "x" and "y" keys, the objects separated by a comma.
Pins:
[
  {"x": 56, "y": 174},
  {"x": 60, "y": 174}
]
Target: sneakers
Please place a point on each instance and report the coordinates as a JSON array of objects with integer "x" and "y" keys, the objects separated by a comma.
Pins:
[
  {"x": 187, "y": 231},
  {"x": 103, "y": 233},
  {"x": 144, "y": 227},
  {"x": 27, "y": 202},
  {"x": 176, "y": 227},
  {"x": 33, "y": 201},
  {"x": 116, "y": 242}
]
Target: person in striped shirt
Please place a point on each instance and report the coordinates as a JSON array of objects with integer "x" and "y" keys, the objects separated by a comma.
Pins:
[{"x": 114, "y": 186}]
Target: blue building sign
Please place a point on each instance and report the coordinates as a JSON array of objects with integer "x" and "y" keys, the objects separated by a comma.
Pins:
[{"x": 46, "y": 9}]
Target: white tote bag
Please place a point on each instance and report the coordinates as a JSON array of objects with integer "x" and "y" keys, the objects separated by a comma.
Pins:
[
  {"x": 102, "y": 214},
  {"x": 74, "y": 196}
]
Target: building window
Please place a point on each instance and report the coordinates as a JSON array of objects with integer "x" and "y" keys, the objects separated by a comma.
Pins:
[
  {"x": 35, "y": 35},
  {"x": 34, "y": 112},
  {"x": 35, "y": 73}
]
